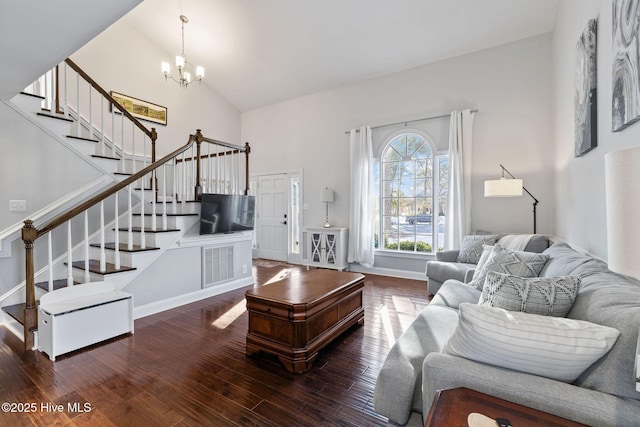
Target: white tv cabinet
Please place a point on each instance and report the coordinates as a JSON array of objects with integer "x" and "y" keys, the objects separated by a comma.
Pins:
[
  {"x": 77, "y": 316},
  {"x": 327, "y": 247}
]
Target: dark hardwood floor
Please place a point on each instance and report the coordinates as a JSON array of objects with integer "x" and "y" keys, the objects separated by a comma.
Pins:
[{"x": 187, "y": 366}]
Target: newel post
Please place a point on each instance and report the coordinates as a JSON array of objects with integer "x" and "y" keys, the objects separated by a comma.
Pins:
[
  {"x": 247, "y": 151},
  {"x": 198, "y": 188},
  {"x": 29, "y": 235}
]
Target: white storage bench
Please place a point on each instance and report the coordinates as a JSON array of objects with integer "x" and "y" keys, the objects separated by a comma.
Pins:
[{"x": 81, "y": 315}]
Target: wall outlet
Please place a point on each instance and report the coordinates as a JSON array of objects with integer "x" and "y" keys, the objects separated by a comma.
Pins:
[
  {"x": 244, "y": 269},
  {"x": 17, "y": 205}
]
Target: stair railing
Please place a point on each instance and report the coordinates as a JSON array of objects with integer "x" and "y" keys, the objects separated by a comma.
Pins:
[
  {"x": 167, "y": 181},
  {"x": 68, "y": 90}
]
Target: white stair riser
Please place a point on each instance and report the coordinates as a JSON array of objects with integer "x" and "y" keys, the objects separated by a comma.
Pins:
[
  {"x": 120, "y": 280},
  {"x": 27, "y": 103},
  {"x": 173, "y": 222},
  {"x": 107, "y": 164},
  {"x": 85, "y": 147},
  {"x": 157, "y": 240},
  {"x": 130, "y": 259}
]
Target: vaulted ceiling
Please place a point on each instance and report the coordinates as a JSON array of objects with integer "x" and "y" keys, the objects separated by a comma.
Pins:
[{"x": 258, "y": 52}]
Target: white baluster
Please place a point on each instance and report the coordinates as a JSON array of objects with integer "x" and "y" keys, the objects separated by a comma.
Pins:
[
  {"x": 130, "y": 218},
  {"x": 184, "y": 180},
  {"x": 87, "y": 278},
  {"x": 90, "y": 112},
  {"x": 66, "y": 92},
  {"x": 117, "y": 235},
  {"x": 134, "y": 167},
  {"x": 103, "y": 253},
  {"x": 153, "y": 200},
  {"x": 122, "y": 142},
  {"x": 69, "y": 256},
  {"x": 50, "y": 261},
  {"x": 175, "y": 185},
  {"x": 113, "y": 135},
  {"x": 208, "y": 178},
  {"x": 102, "y": 145},
  {"x": 164, "y": 197},
  {"x": 78, "y": 127},
  {"x": 143, "y": 243}
]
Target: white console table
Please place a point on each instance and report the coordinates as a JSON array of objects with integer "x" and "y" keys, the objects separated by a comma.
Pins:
[
  {"x": 77, "y": 316},
  {"x": 327, "y": 247}
]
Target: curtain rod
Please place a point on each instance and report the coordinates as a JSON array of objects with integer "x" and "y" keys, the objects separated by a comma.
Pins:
[{"x": 474, "y": 110}]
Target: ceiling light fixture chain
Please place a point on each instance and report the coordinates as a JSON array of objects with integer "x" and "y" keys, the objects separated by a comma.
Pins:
[{"x": 184, "y": 76}]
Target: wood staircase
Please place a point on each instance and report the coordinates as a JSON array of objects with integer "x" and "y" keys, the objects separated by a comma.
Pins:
[{"x": 153, "y": 219}]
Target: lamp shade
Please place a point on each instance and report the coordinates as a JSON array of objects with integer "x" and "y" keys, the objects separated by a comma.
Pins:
[
  {"x": 622, "y": 174},
  {"x": 326, "y": 195},
  {"x": 503, "y": 188}
]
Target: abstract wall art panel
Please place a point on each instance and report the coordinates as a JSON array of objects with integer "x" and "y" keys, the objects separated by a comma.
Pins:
[
  {"x": 585, "y": 97},
  {"x": 625, "y": 105}
]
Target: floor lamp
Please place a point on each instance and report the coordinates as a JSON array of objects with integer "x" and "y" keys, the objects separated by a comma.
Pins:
[{"x": 509, "y": 187}]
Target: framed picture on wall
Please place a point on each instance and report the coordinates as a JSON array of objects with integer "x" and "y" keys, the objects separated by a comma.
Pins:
[
  {"x": 625, "y": 102},
  {"x": 140, "y": 109},
  {"x": 585, "y": 95}
]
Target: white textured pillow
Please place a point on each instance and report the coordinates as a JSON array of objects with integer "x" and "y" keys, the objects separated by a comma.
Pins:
[
  {"x": 503, "y": 260},
  {"x": 552, "y": 347},
  {"x": 549, "y": 296},
  {"x": 472, "y": 246}
]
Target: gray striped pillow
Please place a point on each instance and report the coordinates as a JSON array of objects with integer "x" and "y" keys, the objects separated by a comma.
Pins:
[{"x": 552, "y": 347}]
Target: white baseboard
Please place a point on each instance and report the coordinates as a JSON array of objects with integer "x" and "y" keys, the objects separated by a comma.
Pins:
[{"x": 169, "y": 303}]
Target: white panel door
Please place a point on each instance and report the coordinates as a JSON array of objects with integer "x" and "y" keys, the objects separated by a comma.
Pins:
[{"x": 272, "y": 217}]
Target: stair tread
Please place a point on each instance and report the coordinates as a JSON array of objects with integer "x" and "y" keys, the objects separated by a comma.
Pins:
[
  {"x": 123, "y": 173},
  {"x": 32, "y": 95},
  {"x": 81, "y": 138},
  {"x": 168, "y": 214},
  {"x": 17, "y": 311},
  {"x": 148, "y": 230},
  {"x": 57, "y": 284},
  {"x": 94, "y": 267},
  {"x": 98, "y": 156},
  {"x": 124, "y": 247},
  {"x": 54, "y": 116}
]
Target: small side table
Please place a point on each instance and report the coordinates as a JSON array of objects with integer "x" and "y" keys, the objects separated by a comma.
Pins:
[{"x": 452, "y": 408}]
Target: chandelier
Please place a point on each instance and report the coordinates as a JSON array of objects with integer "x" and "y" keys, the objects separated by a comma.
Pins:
[{"x": 185, "y": 77}]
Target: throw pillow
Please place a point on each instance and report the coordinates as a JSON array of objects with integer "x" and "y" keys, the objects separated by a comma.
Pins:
[
  {"x": 502, "y": 260},
  {"x": 472, "y": 246},
  {"x": 553, "y": 296},
  {"x": 552, "y": 347}
]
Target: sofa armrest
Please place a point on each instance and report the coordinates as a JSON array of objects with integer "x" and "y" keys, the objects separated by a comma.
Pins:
[
  {"x": 443, "y": 371},
  {"x": 448, "y": 256},
  {"x": 398, "y": 388}
]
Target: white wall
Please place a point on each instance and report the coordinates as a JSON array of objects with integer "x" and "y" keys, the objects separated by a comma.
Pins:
[
  {"x": 509, "y": 84},
  {"x": 580, "y": 185},
  {"x": 123, "y": 60}
]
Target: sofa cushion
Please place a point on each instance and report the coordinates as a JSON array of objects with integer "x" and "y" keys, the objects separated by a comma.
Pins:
[
  {"x": 552, "y": 347},
  {"x": 552, "y": 296},
  {"x": 454, "y": 292},
  {"x": 563, "y": 260},
  {"x": 472, "y": 246},
  {"x": 502, "y": 260}
]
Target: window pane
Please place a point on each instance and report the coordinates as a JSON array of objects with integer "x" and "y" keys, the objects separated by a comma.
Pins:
[
  {"x": 424, "y": 168},
  {"x": 390, "y": 188},
  {"x": 390, "y": 206},
  {"x": 391, "y": 170},
  {"x": 423, "y": 152}
]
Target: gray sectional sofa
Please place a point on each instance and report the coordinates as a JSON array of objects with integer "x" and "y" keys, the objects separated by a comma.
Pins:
[
  {"x": 602, "y": 395},
  {"x": 446, "y": 265}
]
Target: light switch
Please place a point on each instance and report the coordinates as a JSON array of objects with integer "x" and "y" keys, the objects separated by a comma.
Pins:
[{"x": 17, "y": 205}]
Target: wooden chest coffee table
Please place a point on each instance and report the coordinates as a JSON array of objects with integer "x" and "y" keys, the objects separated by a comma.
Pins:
[{"x": 297, "y": 316}]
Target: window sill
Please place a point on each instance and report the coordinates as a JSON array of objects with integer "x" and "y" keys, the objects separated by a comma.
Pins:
[{"x": 405, "y": 255}]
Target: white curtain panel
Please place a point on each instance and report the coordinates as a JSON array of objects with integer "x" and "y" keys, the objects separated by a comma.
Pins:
[
  {"x": 458, "y": 222},
  {"x": 361, "y": 209}
]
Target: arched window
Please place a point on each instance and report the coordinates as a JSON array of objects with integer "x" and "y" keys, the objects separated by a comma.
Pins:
[{"x": 411, "y": 218}]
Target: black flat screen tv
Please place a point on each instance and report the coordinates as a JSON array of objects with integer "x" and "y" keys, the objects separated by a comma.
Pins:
[{"x": 226, "y": 213}]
